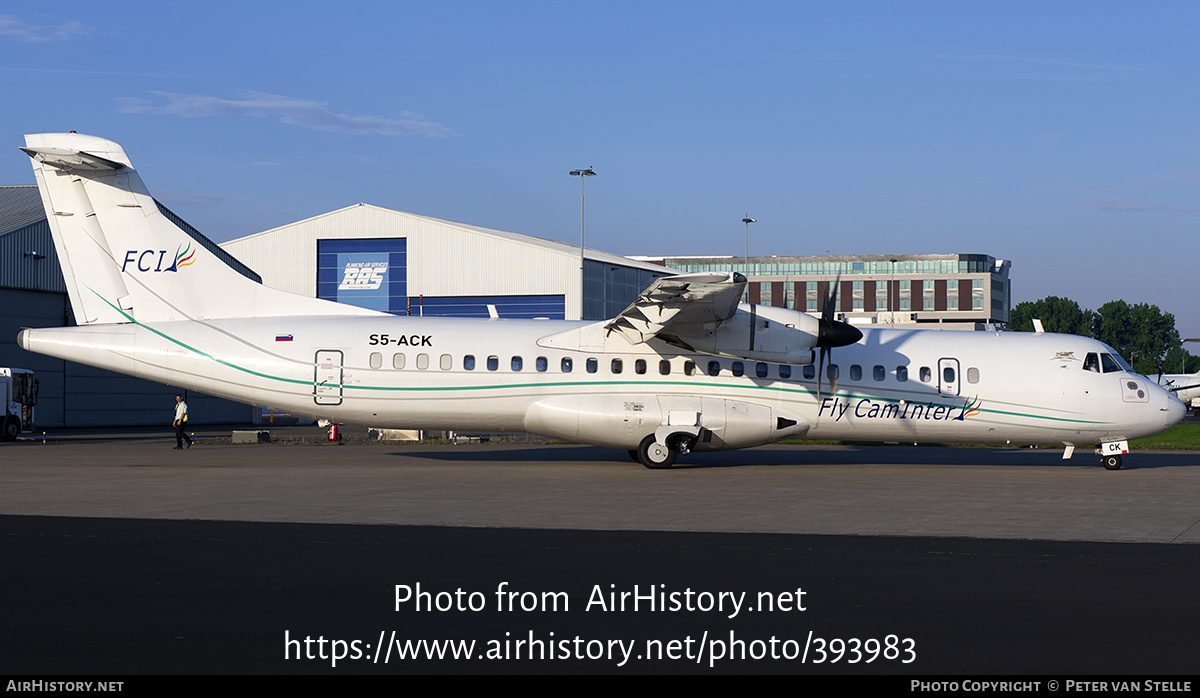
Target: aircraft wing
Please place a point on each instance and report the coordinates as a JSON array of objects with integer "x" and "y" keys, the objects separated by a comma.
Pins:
[{"x": 680, "y": 302}]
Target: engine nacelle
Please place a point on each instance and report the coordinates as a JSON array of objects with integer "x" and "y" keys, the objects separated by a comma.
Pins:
[
  {"x": 761, "y": 333},
  {"x": 622, "y": 421}
]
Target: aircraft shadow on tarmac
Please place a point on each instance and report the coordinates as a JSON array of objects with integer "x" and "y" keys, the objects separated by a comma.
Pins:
[{"x": 801, "y": 456}]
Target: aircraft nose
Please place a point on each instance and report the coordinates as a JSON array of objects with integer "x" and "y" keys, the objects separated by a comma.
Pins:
[{"x": 1176, "y": 410}]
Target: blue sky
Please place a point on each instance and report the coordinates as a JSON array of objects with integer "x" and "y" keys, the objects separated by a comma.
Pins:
[{"x": 1062, "y": 136}]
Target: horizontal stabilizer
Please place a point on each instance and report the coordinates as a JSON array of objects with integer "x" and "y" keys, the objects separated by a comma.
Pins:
[{"x": 72, "y": 160}]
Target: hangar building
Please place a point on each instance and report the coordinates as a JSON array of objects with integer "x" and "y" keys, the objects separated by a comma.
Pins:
[
  {"x": 407, "y": 264},
  {"x": 364, "y": 255}
]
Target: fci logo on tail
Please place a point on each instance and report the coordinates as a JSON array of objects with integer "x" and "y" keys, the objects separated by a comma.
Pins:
[{"x": 153, "y": 260}]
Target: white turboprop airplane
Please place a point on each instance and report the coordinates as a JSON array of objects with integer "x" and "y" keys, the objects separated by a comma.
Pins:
[
  {"x": 685, "y": 367},
  {"x": 1186, "y": 387}
]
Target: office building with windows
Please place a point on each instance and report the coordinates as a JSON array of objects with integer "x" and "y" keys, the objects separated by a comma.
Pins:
[{"x": 954, "y": 291}]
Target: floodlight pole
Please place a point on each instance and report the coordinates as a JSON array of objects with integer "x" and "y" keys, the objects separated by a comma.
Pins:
[{"x": 582, "y": 174}]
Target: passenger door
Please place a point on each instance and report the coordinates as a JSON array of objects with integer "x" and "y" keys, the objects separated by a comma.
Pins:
[{"x": 327, "y": 378}]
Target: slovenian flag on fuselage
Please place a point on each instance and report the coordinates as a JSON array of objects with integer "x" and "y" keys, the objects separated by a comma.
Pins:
[{"x": 283, "y": 338}]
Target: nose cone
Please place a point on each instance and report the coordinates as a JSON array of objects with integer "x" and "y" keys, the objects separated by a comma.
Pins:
[{"x": 1176, "y": 410}]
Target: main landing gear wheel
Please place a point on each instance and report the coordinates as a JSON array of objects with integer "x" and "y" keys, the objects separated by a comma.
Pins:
[
  {"x": 1111, "y": 462},
  {"x": 654, "y": 455}
]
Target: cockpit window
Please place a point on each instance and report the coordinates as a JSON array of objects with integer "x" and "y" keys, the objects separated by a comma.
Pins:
[
  {"x": 1092, "y": 363},
  {"x": 1110, "y": 364}
]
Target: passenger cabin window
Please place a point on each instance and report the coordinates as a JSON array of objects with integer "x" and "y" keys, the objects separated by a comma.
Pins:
[
  {"x": 714, "y": 368},
  {"x": 397, "y": 360},
  {"x": 639, "y": 366},
  {"x": 664, "y": 367},
  {"x": 517, "y": 362},
  {"x": 469, "y": 362},
  {"x": 592, "y": 365},
  {"x": 810, "y": 372},
  {"x": 738, "y": 368},
  {"x": 948, "y": 375},
  {"x": 879, "y": 373},
  {"x": 422, "y": 361},
  {"x": 972, "y": 375},
  {"x": 566, "y": 364},
  {"x": 617, "y": 366},
  {"x": 376, "y": 359},
  {"x": 855, "y": 372},
  {"x": 926, "y": 374},
  {"x": 446, "y": 362},
  {"x": 785, "y": 371},
  {"x": 760, "y": 370},
  {"x": 689, "y": 367},
  {"x": 493, "y": 363},
  {"x": 833, "y": 372},
  {"x": 542, "y": 364},
  {"x": 902, "y": 374}
]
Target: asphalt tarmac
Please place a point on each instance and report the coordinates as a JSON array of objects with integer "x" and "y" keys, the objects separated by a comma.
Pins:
[{"x": 125, "y": 557}]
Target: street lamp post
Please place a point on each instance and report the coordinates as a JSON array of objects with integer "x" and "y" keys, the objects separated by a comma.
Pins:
[
  {"x": 892, "y": 290},
  {"x": 582, "y": 174},
  {"x": 748, "y": 220}
]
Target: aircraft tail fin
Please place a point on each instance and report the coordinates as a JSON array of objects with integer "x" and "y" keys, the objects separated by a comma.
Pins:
[{"x": 123, "y": 260}]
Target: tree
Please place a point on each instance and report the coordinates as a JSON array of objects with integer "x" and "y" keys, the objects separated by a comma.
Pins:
[
  {"x": 1061, "y": 315},
  {"x": 1141, "y": 333}
]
